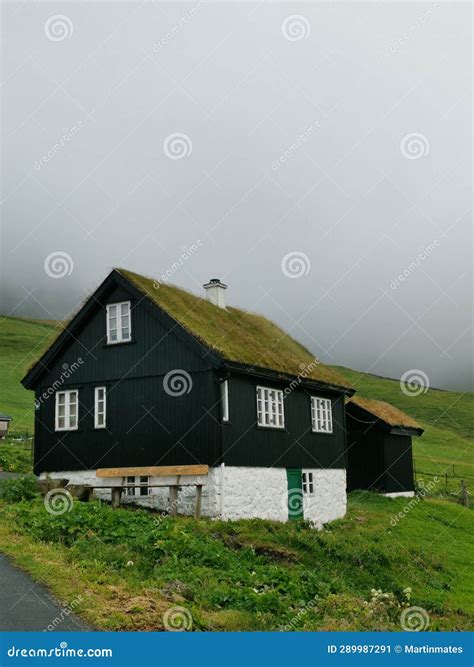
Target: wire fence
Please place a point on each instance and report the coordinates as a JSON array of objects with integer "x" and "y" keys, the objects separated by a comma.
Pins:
[{"x": 452, "y": 483}]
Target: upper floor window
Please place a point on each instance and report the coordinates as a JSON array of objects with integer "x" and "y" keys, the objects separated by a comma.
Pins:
[
  {"x": 321, "y": 415},
  {"x": 67, "y": 409},
  {"x": 119, "y": 326},
  {"x": 225, "y": 400},
  {"x": 270, "y": 407},
  {"x": 99, "y": 407}
]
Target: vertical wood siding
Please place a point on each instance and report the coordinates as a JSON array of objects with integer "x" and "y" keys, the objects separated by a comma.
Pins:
[
  {"x": 145, "y": 425},
  {"x": 296, "y": 446}
]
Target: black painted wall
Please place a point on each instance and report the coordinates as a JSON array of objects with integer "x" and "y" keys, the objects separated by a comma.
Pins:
[
  {"x": 398, "y": 460},
  {"x": 145, "y": 425},
  {"x": 364, "y": 455},
  {"x": 377, "y": 459},
  {"x": 245, "y": 443}
]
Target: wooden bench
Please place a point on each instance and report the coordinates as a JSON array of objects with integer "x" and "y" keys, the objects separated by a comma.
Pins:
[{"x": 156, "y": 471}]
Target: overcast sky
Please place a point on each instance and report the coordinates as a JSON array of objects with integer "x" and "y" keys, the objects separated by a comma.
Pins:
[{"x": 322, "y": 151}]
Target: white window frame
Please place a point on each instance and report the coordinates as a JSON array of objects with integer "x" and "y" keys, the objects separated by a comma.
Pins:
[
  {"x": 136, "y": 492},
  {"x": 97, "y": 410},
  {"x": 270, "y": 407},
  {"x": 307, "y": 483},
  {"x": 321, "y": 415},
  {"x": 225, "y": 400},
  {"x": 119, "y": 317},
  {"x": 67, "y": 393}
]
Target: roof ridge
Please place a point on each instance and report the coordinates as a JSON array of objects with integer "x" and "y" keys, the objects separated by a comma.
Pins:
[{"x": 238, "y": 335}]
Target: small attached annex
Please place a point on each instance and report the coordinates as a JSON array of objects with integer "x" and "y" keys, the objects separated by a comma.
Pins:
[{"x": 379, "y": 447}]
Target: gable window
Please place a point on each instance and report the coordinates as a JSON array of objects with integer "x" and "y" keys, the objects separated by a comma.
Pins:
[
  {"x": 308, "y": 486},
  {"x": 99, "y": 407},
  {"x": 67, "y": 408},
  {"x": 225, "y": 400},
  {"x": 119, "y": 326},
  {"x": 321, "y": 415},
  {"x": 138, "y": 490},
  {"x": 270, "y": 407}
]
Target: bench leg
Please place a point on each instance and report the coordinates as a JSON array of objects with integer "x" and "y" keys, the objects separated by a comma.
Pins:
[
  {"x": 116, "y": 494},
  {"x": 197, "y": 512},
  {"x": 173, "y": 500}
]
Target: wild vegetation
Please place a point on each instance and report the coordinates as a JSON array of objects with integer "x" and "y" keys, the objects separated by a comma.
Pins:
[{"x": 130, "y": 566}]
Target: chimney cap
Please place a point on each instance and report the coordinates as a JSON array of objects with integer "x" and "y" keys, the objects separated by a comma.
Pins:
[{"x": 215, "y": 282}]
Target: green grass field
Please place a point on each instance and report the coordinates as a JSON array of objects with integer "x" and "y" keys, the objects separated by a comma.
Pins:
[{"x": 21, "y": 342}]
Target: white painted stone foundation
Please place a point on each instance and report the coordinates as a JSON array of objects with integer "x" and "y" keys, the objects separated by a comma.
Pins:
[
  {"x": 231, "y": 492},
  {"x": 329, "y": 499}
]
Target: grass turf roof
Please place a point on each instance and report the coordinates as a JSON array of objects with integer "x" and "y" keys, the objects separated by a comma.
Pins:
[
  {"x": 385, "y": 412},
  {"x": 236, "y": 335}
]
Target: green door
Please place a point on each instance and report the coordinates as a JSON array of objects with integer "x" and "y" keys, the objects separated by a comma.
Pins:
[{"x": 295, "y": 493}]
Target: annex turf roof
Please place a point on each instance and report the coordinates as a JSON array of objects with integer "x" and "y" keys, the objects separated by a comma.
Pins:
[
  {"x": 236, "y": 335},
  {"x": 385, "y": 412}
]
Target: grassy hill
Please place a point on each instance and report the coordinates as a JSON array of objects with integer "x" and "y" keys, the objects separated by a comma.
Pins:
[{"x": 21, "y": 342}]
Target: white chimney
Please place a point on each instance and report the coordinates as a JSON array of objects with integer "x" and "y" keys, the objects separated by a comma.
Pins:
[{"x": 215, "y": 292}]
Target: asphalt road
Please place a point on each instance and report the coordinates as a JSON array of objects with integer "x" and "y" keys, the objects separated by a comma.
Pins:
[{"x": 29, "y": 606}]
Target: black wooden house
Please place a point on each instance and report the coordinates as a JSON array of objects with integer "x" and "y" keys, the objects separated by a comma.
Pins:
[{"x": 148, "y": 374}]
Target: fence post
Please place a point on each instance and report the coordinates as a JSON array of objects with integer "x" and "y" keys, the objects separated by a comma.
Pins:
[{"x": 464, "y": 494}]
